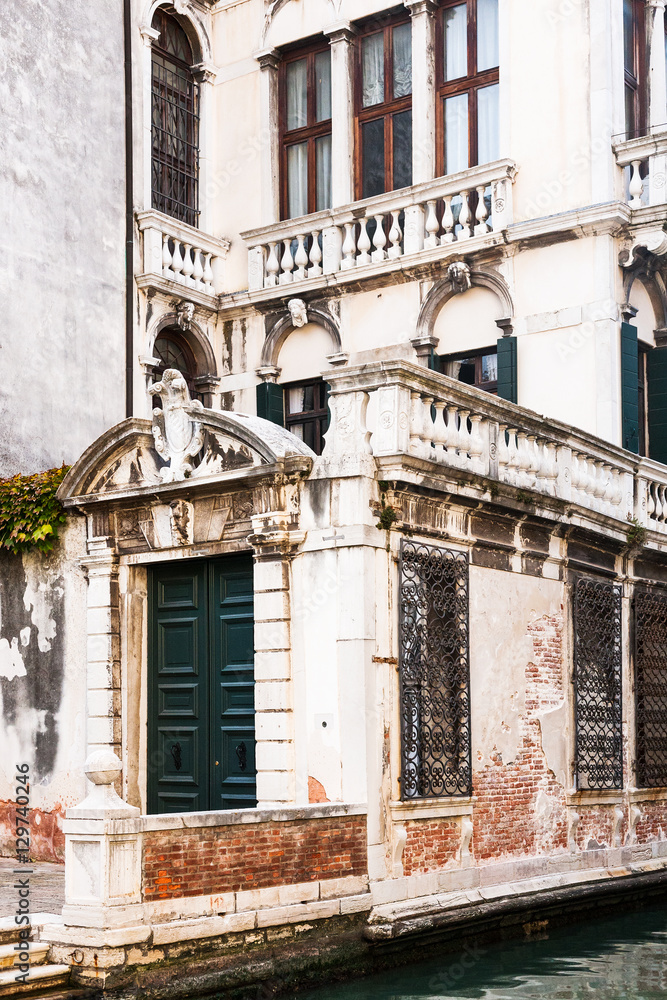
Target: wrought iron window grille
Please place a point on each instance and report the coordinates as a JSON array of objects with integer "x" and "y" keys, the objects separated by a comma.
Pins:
[
  {"x": 175, "y": 142},
  {"x": 598, "y": 685},
  {"x": 434, "y": 672},
  {"x": 650, "y": 665}
]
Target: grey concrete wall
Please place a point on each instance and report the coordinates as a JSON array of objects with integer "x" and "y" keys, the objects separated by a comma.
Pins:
[{"x": 62, "y": 196}]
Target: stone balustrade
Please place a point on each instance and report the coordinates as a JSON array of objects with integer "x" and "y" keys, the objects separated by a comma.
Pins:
[
  {"x": 392, "y": 409},
  {"x": 646, "y": 161},
  {"x": 414, "y": 220},
  {"x": 652, "y": 495},
  {"x": 180, "y": 253}
]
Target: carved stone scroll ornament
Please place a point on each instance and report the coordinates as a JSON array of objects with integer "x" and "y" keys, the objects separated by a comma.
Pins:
[
  {"x": 178, "y": 435},
  {"x": 651, "y": 242},
  {"x": 298, "y": 312}
]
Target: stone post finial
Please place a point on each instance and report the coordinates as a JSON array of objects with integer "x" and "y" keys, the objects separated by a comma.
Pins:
[{"x": 102, "y": 768}]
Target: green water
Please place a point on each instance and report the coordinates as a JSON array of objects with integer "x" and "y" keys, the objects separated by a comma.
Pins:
[{"x": 618, "y": 958}]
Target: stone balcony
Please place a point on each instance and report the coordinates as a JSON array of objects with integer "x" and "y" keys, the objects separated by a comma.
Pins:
[
  {"x": 431, "y": 430},
  {"x": 399, "y": 229},
  {"x": 646, "y": 160},
  {"x": 181, "y": 260}
]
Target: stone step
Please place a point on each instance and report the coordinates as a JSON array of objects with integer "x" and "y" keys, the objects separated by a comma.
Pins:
[
  {"x": 9, "y": 955},
  {"x": 9, "y": 931},
  {"x": 40, "y": 979}
]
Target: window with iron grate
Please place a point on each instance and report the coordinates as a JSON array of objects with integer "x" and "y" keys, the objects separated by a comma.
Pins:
[
  {"x": 598, "y": 685},
  {"x": 650, "y": 649},
  {"x": 175, "y": 123},
  {"x": 434, "y": 672}
]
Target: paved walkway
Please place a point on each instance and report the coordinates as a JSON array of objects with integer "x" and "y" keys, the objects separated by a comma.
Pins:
[{"x": 47, "y": 886}]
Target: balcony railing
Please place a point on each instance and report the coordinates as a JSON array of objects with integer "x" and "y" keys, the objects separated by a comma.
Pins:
[
  {"x": 415, "y": 220},
  {"x": 646, "y": 160},
  {"x": 393, "y": 409},
  {"x": 176, "y": 252}
]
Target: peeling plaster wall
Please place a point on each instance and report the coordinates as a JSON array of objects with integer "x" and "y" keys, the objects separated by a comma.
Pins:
[
  {"x": 42, "y": 687},
  {"x": 62, "y": 223}
]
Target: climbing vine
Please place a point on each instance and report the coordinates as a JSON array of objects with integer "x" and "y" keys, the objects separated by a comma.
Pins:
[{"x": 30, "y": 512}]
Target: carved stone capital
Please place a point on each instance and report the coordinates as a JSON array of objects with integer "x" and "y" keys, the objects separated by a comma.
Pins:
[
  {"x": 423, "y": 347},
  {"x": 417, "y": 7},
  {"x": 204, "y": 72},
  {"x": 656, "y": 4},
  {"x": 340, "y": 31},
  {"x": 149, "y": 34},
  {"x": 651, "y": 241},
  {"x": 341, "y": 358},
  {"x": 268, "y": 59},
  {"x": 268, "y": 373}
]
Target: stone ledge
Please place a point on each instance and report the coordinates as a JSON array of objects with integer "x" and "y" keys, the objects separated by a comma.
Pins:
[{"x": 235, "y": 817}]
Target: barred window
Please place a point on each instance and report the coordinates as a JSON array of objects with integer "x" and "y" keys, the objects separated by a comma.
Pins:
[
  {"x": 434, "y": 672},
  {"x": 650, "y": 620},
  {"x": 597, "y": 685},
  {"x": 175, "y": 123}
]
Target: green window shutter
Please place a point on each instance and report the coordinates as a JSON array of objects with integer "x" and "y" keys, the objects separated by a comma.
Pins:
[
  {"x": 270, "y": 403},
  {"x": 656, "y": 362},
  {"x": 629, "y": 388},
  {"x": 507, "y": 378}
]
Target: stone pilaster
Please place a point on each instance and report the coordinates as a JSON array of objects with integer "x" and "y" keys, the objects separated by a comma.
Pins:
[
  {"x": 423, "y": 89},
  {"x": 341, "y": 36},
  {"x": 269, "y": 61},
  {"x": 103, "y": 685}
]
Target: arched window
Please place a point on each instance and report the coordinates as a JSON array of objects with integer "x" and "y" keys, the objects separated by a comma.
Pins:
[
  {"x": 172, "y": 351},
  {"x": 175, "y": 123}
]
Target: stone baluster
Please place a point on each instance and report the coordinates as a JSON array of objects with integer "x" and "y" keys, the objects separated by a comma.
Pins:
[
  {"x": 551, "y": 468},
  {"x": 416, "y": 423},
  {"x": 167, "y": 269},
  {"x": 658, "y": 498},
  {"x": 379, "y": 241},
  {"x": 477, "y": 449},
  {"x": 464, "y": 217},
  {"x": 427, "y": 439},
  {"x": 523, "y": 469},
  {"x": 636, "y": 186},
  {"x": 395, "y": 237},
  {"x": 363, "y": 243},
  {"x": 464, "y": 438},
  {"x": 301, "y": 258},
  {"x": 332, "y": 249},
  {"x": 208, "y": 274},
  {"x": 432, "y": 226},
  {"x": 600, "y": 484},
  {"x": 198, "y": 270},
  {"x": 650, "y": 501},
  {"x": 188, "y": 265},
  {"x": 617, "y": 491},
  {"x": 533, "y": 458},
  {"x": 439, "y": 430},
  {"x": 315, "y": 269},
  {"x": 451, "y": 435},
  {"x": 481, "y": 213},
  {"x": 286, "y": 263},
  {"x": 349, "y": 248},
  {"x": 272, "y": 266},
  {"x": 503, "y": 452},
  {"x": 513, "y": 459},
  {"x": 177, "y": 262},
  {"x": 447, "y": 223}
]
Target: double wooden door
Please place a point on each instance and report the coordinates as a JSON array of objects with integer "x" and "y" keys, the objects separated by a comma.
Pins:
[{"x": 201, "y": 716}]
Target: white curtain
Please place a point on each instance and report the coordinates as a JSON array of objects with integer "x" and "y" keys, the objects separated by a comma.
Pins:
[
  {"x": 297, "y": 94},
  {"x": 456, "y": 42},
  {"x": 488, "y": 134},
  {"x": 373, "y": 70},
  {"x": 487, "y": 34},
  {"x": 297, "y": 179},
  {"x": 323, "y": 86},
  {"x": 456, "y": 133},
  {"x": 402, "y": 43},
  {"x": 323, "y": 166}
]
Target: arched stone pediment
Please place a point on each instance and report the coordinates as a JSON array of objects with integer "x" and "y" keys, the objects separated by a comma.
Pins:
[{"x": 126, "y": 459}]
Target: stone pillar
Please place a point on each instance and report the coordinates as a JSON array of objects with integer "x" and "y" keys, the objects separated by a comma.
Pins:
[
  {"x": 269, "y": 60},
  {"x": 341, "y": 35},
  {"x": 423, "y": 89},
  {"x": 149, "y": 35},
  {"x": 102, "y": 862},
  {"x": 657, "y": 175},
  {"x": 205, "y": 75},
  {"x": 274, "y": 544},
  {"x": 103, "y": 674}
]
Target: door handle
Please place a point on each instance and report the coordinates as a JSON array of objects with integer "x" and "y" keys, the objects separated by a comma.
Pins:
[
  {"x": 176, "y": 755},
  {"x": 242, "y": 754}
]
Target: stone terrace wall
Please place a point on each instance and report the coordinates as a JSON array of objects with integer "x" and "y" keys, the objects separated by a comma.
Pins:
[{"x": 201, "y": 860}]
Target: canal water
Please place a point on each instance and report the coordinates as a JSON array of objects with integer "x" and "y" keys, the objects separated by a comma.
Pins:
[{"x": 613, "y": 958}]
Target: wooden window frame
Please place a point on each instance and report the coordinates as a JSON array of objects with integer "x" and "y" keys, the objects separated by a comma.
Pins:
[
  {"x": 637, "y": 80},
  {"x": 477, "y": 355},
  {"x": 469, "y": 84},
  {"x": 389, "y": 107},
  {"x": 315, "y": 417},
  {"x": 308, "y": 133}
]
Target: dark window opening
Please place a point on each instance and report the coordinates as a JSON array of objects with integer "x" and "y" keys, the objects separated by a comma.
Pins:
[
  {"x": 477, "y": 368},
  {"x": 306, "y": 412},
  {"x": 175, "y": 123},
  {"x": 384, "y": 108},
  {"x": 305, "y": 127},
  {"x": 468, "y": 84},
  {"x": 635, "y": 68},
  {"x": 172, "y": 351},
  {"x": 643, "y": 400}
]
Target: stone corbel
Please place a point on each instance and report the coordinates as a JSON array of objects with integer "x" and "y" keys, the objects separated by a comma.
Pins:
[
  {"x": 341, "y": 358},
  {"x": 205, "y": 72},
  {"x": 273, "y": 536},
  {"x": 423, "y": 347},
  {"x": 268, "y": 373},
  {"x": 650, "y": 241},
  {"x": 149, "y": 34},
  {"x": 148, "y": 364}
]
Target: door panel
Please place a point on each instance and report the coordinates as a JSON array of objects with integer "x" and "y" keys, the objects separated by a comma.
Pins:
[
  {"x": 234, "y": 705},
  {"x": 201, "y": 751},
  {"x": 179, "y": 728}
]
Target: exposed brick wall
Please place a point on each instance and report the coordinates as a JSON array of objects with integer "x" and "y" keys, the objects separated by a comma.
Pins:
[
  {"x": 430, "y": 845},
  {"x": 521, "y": 808},
  {"x": 596, "y": 826},
  {"x": 213, "y": 860},
  {"x": 652, "y": 823}
]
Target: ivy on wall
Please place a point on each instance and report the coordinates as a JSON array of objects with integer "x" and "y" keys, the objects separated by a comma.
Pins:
[{"x": 30, "y": 512}]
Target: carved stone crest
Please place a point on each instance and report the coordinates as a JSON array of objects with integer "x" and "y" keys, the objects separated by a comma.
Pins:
[
  {"x": 298, "y": 312},
  {"x": 459, "y": 274},
  {"x": 178, "y": 435}
]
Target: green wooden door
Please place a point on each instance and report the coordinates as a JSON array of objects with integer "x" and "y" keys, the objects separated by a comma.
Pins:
[{"x": 201, "y": 731}]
